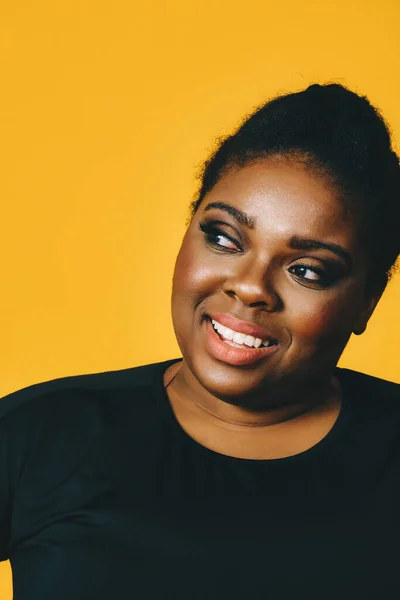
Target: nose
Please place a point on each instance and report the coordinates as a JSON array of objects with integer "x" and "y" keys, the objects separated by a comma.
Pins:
[{"x": 254, "y": 285}]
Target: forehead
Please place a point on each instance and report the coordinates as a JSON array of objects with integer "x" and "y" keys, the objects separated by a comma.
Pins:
[{"x": 285, "y": 194}]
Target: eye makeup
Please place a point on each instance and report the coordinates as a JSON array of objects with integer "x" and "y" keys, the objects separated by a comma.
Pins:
[
  {"x": 212, "y": 233},
  {"x": 318, "y": 278}
]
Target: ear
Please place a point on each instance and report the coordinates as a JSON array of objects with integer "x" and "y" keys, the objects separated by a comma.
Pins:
[{"x": 372, "y": 298}]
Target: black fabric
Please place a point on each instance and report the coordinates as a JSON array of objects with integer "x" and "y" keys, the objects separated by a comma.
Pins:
[{"x": 103, "y": 495}]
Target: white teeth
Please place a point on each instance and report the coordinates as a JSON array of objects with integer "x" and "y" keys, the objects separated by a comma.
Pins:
[{"x": 239, "y": 338}]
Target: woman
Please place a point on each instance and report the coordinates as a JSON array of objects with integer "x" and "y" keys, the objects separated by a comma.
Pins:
[{"x": 252, "y": 467}]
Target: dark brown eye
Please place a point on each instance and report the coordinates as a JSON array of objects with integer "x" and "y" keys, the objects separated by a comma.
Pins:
[
  {"x": 213, "y": 234},
  {"x": 307, "y": 273},
  {"x": 311, "y": 274}
]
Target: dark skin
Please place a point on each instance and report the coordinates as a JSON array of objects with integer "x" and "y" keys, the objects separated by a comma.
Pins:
[{"x": 311, "y": 298}]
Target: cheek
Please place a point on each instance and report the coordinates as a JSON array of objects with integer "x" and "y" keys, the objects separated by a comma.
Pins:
[
  {"x": 192, "y": 274},
  {"x": 322, "y": 320},
  {"x": 192, "y": 285}
]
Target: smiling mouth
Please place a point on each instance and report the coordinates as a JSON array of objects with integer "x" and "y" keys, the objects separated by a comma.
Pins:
[
  {"x": 233, "y": 353},
  {"x": 237, "y": 339}
]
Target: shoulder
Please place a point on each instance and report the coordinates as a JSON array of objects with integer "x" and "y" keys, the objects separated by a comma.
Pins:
[
  {"x": 54, "y": 423},
  {"x": 78, "y": 387},
  {"x": 369, "y": 384},
  {"x": 370, "y": 393}
]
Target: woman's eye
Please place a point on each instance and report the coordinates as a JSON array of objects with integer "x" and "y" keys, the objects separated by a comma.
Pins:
[
  {"x": 311, "y": 274},
  {"x": 217, "y": 238},
  {"x": 221, "y": 241}
]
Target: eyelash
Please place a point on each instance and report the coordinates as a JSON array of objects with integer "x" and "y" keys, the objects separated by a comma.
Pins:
[{"x": 211, "y": 233}]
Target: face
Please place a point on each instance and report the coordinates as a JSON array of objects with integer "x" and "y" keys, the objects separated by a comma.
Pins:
[{"x": 296, "y": 268}]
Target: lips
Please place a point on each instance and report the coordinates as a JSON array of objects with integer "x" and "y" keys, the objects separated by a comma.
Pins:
[
  {"x": 246, "y": 327},
  {"x": 233, "y": 354}
]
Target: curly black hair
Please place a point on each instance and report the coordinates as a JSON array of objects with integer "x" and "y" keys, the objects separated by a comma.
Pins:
[{"x": 338, "y": 134}]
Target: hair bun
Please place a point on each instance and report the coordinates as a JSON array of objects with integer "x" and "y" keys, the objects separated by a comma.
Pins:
[
  {"x": 315, "y": 87},
  {"x": 330, "y": 89}
]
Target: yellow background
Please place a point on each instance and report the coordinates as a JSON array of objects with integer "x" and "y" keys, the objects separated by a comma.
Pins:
[{"x": 107, "y": 109}]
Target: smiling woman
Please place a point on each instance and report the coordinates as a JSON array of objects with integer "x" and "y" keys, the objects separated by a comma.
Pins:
[
  {"x": 300, "y": 271},
  {"x": 252, "y": 466}
]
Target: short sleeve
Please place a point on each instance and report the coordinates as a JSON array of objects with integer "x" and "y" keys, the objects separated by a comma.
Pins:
[
  {"x": 44, "y": 436},
  {"x": 21, "y": 420}
]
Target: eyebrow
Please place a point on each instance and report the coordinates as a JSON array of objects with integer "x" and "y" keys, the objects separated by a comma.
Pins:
[
  {"x": 295, "y": 242},
  {"x": 237, "y": 214},
  {"x": 299, "y": 243}
]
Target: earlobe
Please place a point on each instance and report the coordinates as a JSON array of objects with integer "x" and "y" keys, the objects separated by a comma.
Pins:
[
  {"x": 359, "y": 330},
  {"x": 361, "y": 323}
]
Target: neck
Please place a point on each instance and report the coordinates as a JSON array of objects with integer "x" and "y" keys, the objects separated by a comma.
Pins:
[{"x": 271, "y": 409}]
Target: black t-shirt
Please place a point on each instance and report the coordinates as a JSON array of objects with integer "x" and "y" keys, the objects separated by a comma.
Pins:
[{"x": 103, "y": 495}]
